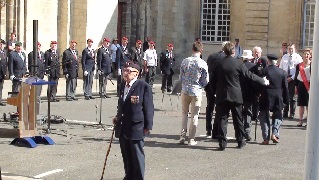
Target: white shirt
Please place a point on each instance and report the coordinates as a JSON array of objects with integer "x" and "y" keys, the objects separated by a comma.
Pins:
[
  {"x": 307, "y": 72},
  {"x": 113, "y": 52},
  {"x": 287, "y": 61},
  {"x": 127, "y": 89},
  {"x": 150, "y": 56}
]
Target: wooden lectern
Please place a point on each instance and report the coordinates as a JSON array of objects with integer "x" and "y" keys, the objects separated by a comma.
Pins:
[{"x": 26, "y": 102}]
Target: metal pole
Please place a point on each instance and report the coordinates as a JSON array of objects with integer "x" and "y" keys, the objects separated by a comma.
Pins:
[
  {"x": 312, "y": 144},
  {"x": 34, "y": 64}
]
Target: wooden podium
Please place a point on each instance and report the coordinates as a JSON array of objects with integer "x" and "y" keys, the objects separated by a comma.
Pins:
[{"x": 26, "y": 102}]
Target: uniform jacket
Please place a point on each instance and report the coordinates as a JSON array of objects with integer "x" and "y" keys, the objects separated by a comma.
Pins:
[
  {"x": 226, "y": 79},
  {"x": 104, "y": 60},
  {"x": 52, "y": 62},
  {"x": 137, "y": 57},
  {"x": 274, "y": 96},
  {"x": 248, "y": 90},
  {"x": 40, "y": 63},
  {"x": 17, "y": 65},
  {"x": 210, "y": 63},
  {"x": 70, "y": 64},
  {"x": 122, "y": 55},
  {"x": 167, "y": 63},
  {"x": 3, "y": 64},
  {"x": 88, "y": 60},
  {"x": 136, "y": 113}
]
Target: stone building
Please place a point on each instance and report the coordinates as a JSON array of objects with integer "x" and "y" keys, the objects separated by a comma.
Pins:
[{"x": 265, "y": 23}]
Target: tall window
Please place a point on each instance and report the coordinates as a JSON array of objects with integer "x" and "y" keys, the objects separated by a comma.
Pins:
[
  {"x": 308, "y": 23},
  {"x": 215, "y": 22}
]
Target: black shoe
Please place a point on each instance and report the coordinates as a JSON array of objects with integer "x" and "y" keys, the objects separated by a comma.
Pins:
[
  {"x": 87, "y": 98},
  {"x": 55, "y": 100},
  {"x": 169, "y": 90},
  {"x": 2, "y": 104},
  {"x": 285, "y": 116},
  {"x": 248, "y": 138},
  {"x": 222, "y": 145},
  {"x": 106, "y": 96},
  {"x": 75, "y": 99},
  {"x": 241, "y": 144},
  {"x": 291, "y": 116},
  {"x": 69, "y": 99},
  {"x": 91, "y": 97},
  {"x": 209, "y": 134}
]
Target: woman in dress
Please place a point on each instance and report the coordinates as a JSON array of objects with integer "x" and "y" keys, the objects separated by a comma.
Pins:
[{"x": 302, "y": 79}]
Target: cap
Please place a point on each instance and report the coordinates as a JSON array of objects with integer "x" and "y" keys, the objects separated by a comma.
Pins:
[
  {"x": 132, "y": 65},
  {"x": 89, "y": 40},
  {"x": 73, "y": 41},
  {"x": 2, "y": 41},
  {"x": 124, "y": 38},
  {"x": 54, "y": 42},
  {"x": 106, "y": 39},
  {"x": 39, "y": 44},
  {"x": 18, "y": 44},
  {"x": 170, "y": 45},
  {"x": 272, "y": 57},
  {"x": 152, "y": 42},
  {"x": 139, "y": 42}
]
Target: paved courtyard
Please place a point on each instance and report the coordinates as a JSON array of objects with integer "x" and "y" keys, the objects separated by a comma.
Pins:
[{"x": 80, "y": 150}]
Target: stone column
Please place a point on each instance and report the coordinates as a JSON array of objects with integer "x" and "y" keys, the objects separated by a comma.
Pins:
[
  {"x": 3, "y": 16},
  {"x": 10, "y": 17},
  {"x": 63, "y": 24},
  {"x": 20, "y": 22}
]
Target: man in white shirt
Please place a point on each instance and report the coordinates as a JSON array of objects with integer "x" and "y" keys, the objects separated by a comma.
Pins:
[
  {"x": 288, "y": 63},
  {"x": 150, "y": 63}
]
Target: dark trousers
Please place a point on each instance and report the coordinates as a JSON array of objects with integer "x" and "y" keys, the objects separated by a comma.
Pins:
[
  {"x": 150, "y": 75},
  {"x": 71, "y": 84},
  {"x": 53, "y": 87},
  {"x": 16, "y": 85},
  {"x": 292, "y": 99},
  {"x": 114, "y": 69},
  {"x": 1, "y": 88},
  {"x": 133, "y": 158},
  {"x": 167, "y": 81},
  {"x": 255, "y": 108},
  {"x": 87, "y": 83},
  {"x": 119, "y": 80},
  {"x": 102, "y": 84},
  {"x": 222, "y": 111},
  {"x": 247, "y": 116},
  {"x": 209, "y": 114}
]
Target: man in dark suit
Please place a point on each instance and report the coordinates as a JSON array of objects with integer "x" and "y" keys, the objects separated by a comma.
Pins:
[
  {"x": 104, "y": 64},
  {"x": 248, "y": 92},
  {"x": 273, "y": 98},
  {"x": 225, "y": 82},
  {"x": 3, "y": 67},
  {"x": 133, "y": 121},
  {"x": 52, "y": 63},
  {"x": 212, "y": 130},
  {"x": 40, "y": 66},
  {"x": 70, "y": 66},
  {"x": 17, "y": 66},
  {"x": 88, "y": 66},
  {"x": 137, "y": 56},
  {"x": 122, "y": 55},
  {"x": 167, "y": 65}
]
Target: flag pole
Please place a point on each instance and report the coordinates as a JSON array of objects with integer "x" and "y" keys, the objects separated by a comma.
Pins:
[{"x": 312, "y": 143}]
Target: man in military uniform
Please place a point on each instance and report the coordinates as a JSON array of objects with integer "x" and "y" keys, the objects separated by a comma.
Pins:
[
  {"x": 51, "y": 58},
  {"x": 137, "y": 56},
  {"x": 70, "y": 66},
  {"x": 104, "y": 64},
  {"x": 88, "y": 66},
  {"x": 273, "y": 98},
  {"x": 3, "y": 67},
  {"x": 122, "y": 56},
  {"x": 167, "y": 63},
  {"x": 17, "y": 66},
  {"x": 40, "y": 66}
]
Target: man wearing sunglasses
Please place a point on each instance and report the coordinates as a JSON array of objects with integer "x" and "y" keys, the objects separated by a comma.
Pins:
[{"x": 134, "y": 120}]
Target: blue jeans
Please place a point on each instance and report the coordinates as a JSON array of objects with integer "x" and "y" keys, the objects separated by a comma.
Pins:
[{"x": 264, "y": 119}]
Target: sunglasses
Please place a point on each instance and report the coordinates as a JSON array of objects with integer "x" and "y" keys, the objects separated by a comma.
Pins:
[{"x": 129, "y": 71}]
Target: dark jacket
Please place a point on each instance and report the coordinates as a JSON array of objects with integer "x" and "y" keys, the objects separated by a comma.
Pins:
[
  {"x": 52, "y": 62},
  {"x": 167, "y": 63},
  {"x": 88, "y": 60},
  {"x": 248, "y": 90},
  {"x": 40, "y": 63},
  {"x": 17, "y": 65},
  {"x": 3, "y": 64},
  {"x": 70, "y": 64},
  {"x": 274, "y": 96},
  {"x": 210, "y": 63},
  {"x": 225, "y": 79},
  {"x": 136, "y": 113},
  {"x": 137, "y": 57},
  {"x": 104, "y": 60},
  {"x": 122, "y": 55}
]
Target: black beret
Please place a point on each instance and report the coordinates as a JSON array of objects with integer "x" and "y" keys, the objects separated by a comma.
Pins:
[
  {"x": 132, "y": 65},
  {"x": 272, "y": 57},
  {"x": 2, "y": 41}
]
